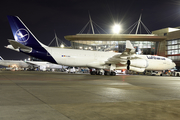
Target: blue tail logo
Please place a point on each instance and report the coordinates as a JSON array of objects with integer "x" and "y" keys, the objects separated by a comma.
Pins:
[{"x": 21, "y": 35}]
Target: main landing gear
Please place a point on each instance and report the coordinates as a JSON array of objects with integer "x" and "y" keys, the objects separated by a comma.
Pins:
[
  {"x": 97, "y": 72},
  {"x": 112, "y": 73},
  {"x": 102, "y": 72}
]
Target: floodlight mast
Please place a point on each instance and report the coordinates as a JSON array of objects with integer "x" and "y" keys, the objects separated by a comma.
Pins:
[
  {"x": 56, "y": 40},
  {"x": 91, "y": 23},
  {"x": 59, "y": 42},
  {"x": 139, "y": 21}
]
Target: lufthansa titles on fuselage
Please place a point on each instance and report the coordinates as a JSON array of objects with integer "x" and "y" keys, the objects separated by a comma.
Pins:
[{"x": 155, "y": 57}]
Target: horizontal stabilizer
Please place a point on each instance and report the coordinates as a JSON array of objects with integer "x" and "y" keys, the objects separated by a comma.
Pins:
[
  {"x": 20, "y": 46},
  {"x": 11, "y": 47}
]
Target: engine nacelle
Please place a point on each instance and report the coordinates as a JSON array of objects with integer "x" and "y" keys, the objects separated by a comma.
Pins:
[
  {"x": 136, "y": 69},
  {"x": 139, "y": 63},
  {"x": 123, "y": 62}
]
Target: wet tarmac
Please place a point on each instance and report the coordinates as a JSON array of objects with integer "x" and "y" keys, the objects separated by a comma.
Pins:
[{"x": 30, "y": 95}]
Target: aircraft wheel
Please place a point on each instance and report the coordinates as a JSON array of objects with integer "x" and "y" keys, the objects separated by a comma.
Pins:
[
  {"x": 107, "y": 73},
  {"x": 93, "y": 73},
  {"x": 177, "y": 74},
  {"x": 113, "y": 73},
  {"x": 100, "y": 73}
]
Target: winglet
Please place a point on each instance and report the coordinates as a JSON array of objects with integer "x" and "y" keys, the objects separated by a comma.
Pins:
[{"x": 130, "y": 46}]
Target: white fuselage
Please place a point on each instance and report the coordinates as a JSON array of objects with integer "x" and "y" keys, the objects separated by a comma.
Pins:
[
  {"x": 85, "y": 58},
  {"x": 158, "y": 62},
  {"x": 73, "y": 57}
]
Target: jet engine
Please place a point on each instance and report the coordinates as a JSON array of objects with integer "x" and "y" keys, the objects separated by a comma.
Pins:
[
  {"x": 136, "y": 69},
  {"x": 137, "y": 65}
]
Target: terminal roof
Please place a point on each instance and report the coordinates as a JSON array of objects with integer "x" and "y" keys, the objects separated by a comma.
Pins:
[{"x": 115, "y": 37}]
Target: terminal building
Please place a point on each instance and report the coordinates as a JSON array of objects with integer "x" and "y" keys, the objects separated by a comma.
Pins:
[{"x": 163, "y": 42}]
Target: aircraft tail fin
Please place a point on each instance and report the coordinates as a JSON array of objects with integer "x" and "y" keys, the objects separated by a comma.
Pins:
[
  {"x": 1, "y": 58},
  {"x": 22, "y": 34}
]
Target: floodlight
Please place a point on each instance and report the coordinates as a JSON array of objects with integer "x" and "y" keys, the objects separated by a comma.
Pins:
[
  {"x": 62, "y": 45},
  {"x": 116, "y": 28}
]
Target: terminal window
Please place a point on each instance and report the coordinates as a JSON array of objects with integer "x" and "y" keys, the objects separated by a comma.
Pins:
[
  {"x": 173, "y": 48},
  {"x": 143, "y": 47}
]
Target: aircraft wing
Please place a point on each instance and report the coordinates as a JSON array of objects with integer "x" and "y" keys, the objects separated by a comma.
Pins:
[
  {"x": 17, "y": 45},
  {"x": 122, "y": 58},
  {"x": 36, "y": 63},
  {"x": 45, "y": 65}
]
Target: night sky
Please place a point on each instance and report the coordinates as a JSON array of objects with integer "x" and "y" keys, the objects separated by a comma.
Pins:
[{"x": 68, "y": 17}]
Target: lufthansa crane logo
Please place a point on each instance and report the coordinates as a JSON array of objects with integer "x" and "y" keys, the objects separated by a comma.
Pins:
[{"x": 21, "y": 35}]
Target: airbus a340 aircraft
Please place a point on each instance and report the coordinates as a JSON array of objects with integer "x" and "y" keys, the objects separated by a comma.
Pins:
[
  {"x": 14, "y": 64},
  {"x": 18, "y": 64},
  {"x": 43, "y": 65},
  {"x": 27, "y": 43}
]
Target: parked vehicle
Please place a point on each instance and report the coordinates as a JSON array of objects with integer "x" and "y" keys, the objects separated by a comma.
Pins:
[{"x": 153, "y": 73}]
